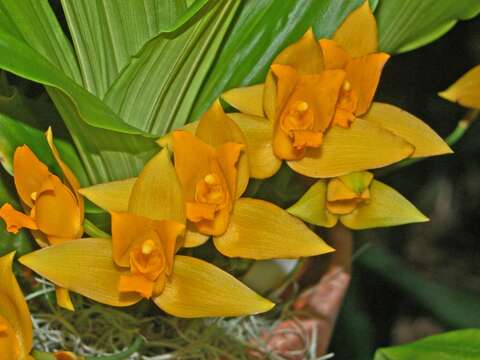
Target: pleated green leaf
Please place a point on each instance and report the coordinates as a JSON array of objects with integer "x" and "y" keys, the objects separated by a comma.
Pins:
[
  {"x": 405, "y": 25},
  {"x": 166, "y": 75},
  {"x": 453, "y": 345}
]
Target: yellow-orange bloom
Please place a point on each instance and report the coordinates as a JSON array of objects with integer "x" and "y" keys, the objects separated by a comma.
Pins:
[
  {"x": 140, "y": 260},
  {"x": 211, "y": 161},
  {"x": 357, "y": 201},
  {"x": 16, "y": 335},
  {"x": 315, "y": 108},
  {"x": 53, "y": 208}
]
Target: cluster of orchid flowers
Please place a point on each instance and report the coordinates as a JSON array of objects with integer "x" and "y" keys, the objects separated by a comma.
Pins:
[{"x": 315, "y": 111}]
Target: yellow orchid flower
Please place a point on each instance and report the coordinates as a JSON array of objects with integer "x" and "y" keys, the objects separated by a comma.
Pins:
[
  {"x": 140, "y": 260},
  {"x": 315, "y": 109},
  {"x": 357, "y": 201},
  {"x": 466, "y": 90},
  {"x": 54, "y": 209},
  {"x": 16, "y": 335},
  {"x": 212, "y": 167}
]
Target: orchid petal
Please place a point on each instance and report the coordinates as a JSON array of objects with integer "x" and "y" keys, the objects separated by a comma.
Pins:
[
  {"x": 29, "y": 173},
  {"x": 260, "y": 230},
  {"x": 57, "y": 212},
  {"x": 386, "y": 207},
  {"x": 311, "y": 207},
  {"x": 111, "y": 196},
  {"x": 70, "y": 177},
  {"x": 199, "y": 289},
  {"x": 305, "y": 55},
  {"x": 408, "y": 127},
  {"x": 83, "y": 266},
  {"x": 258, "y": 133},
  {"x": 358, "y": 33},
  {"x": 166, "y": 141},
  {"x": 63, "y": 298},
  {"x": 216, "y": 128},
  {"x": 364, "y": 74},
  {"x": 248, "y": 100},
  {"x": 466, "y": 90},
  {"x": 363, "y": 146},
  {"x": 194, "y": 238},
  {"x": 157, "y": 193},
  {"x": 14, "y": 309},
  {"x": 334, "y": 56},
  {"x": 16, "y": 220}
]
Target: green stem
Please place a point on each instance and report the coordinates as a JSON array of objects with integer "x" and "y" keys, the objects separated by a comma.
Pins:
[
  {"x": 93, "y": 231},
  {"x": 122, "y": 355},
  {"x": 452, "y": 139},
  {"x": 40, "y": 355}
]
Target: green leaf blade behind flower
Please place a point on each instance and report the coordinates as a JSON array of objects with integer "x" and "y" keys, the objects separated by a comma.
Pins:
[
  {"x": 461, "y": 344},
  {"x": 405, "y": 25}
]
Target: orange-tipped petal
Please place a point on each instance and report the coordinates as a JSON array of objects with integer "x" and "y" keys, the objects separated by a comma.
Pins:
[
  {"x": 29, "y": 174},
  {"x": 166, "y": 141},
  {"x": 15, "y": 220},
  {"x": 85, "y": 267},
  {"x": 386, "y": 207},
  {"x": 157, "y": 193},
  {"x": 286, "y": 78},
  {"x": 216, "y": 128},
  {"x": 14, "y": 313},
  {"x": 258, "y": 133},
  {"x": 466, "y": 90},
  {"x": 192, "y": 161},
  {"x": 63, "y": 298},
  {"x": 311, "y": 207},
  {"x": 358, "y": 33},
  {"x": 248, "y": 100},
  {"x": 57, "y": 212},
  {"x": 199, "y": 289},
  {"x": 335, "y": 56},
  {"x": 305, "y": 55},
  {"x": 363, "y": 146},
  {"x": 408, "y": 127},
  {"x": 70, "y": 177},
  {"x": 228, "y": 156},
  {"x": 261, "y": 230},
  {"x": 111, "y": 196},
  {"x": 364, "y": 73}
]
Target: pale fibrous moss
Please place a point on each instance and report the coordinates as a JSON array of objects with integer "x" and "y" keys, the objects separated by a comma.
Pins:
[{"x": 96, "y": 330}]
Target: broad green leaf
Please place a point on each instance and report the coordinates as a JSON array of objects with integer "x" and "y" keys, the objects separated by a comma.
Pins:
[
  {"x": 106, "y": 155},
  {"x": 165, "y": 76},
  {"x": 33, "y": 22},
  {"x": 454, "y": 345},
  {"x": 14, "y": 133},
  {"x": 21, "y": 242},
  {"x": 260, "y": 32},
  {"x": 106, "y": 34},
  {"x": 454, "y": 307},
  {"x": 405, "y": 25}
]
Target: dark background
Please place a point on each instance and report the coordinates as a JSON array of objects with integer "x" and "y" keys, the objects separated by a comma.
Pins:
[{"x": 416, "y": 280}]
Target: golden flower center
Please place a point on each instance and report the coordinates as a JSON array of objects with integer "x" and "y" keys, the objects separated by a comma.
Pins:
[
  {"x": 346, "y": 106},
  {"x": 210, "y": 190},
  {"x": 297, "y": 122},
  {"x": 211, "y": 196},
  {"x": 148, "y": 260}
]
